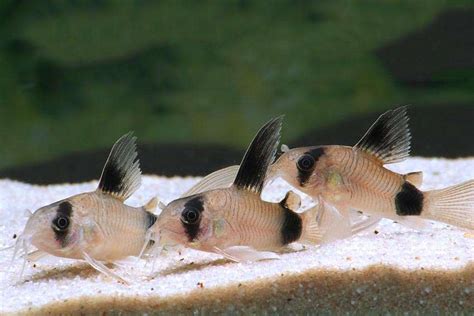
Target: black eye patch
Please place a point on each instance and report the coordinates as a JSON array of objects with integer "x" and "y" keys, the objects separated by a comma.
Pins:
[
  {"x": 61, "y": 222},
  {"x": 191, "y": 217},
  {"x": 306, "y": 162}
]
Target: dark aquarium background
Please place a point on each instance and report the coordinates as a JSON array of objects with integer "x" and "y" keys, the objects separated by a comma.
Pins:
[{"x": 195, "y": 80}]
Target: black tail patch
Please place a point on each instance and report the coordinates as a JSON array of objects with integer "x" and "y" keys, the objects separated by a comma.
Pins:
[
  {"x": 121, "y": 175},
  {"x": 389, "y": 138},
  {"x": 409, "y": 201},
  {"x": 260, "y": 154},
  {"x": 292, "y": 227}
]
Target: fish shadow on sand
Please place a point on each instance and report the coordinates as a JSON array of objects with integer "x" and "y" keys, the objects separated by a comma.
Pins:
[
  {"x": 192, "y": 267},
  {"x": 82, "y": 270},
  {"x": 215, "y": 263}
]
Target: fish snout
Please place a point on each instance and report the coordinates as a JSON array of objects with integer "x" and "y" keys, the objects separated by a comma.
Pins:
[
  {"x": 167, "y": 236},
  {"x": 38, "y": 225},
  {"x": 40, "y": 232}
]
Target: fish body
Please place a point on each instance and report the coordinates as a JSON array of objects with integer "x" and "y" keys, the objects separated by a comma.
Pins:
[
  {"x": 230, "y": 217},
  {"x": 355, "y": 177},
  {"x": 99, "y": 225},
  {"x": 234, "y": 221},
  {"x": 95, "y": 226},
  {"x": 345, "y": 177}
]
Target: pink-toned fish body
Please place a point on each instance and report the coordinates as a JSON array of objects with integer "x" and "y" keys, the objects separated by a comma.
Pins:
[
  {"x": 234, "y": 221},
  {"x": 100, "y": 225},
  {"x": 95, "y": 226},
  {"x": 225, "y": 214},
  {"x": 227, "y": 217},
  {"x": 344, "y": 177},
  {"x": 355, "y": 178}
]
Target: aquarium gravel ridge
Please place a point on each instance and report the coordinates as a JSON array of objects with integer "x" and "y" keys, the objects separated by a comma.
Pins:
[{"x": 389, "y": 268}]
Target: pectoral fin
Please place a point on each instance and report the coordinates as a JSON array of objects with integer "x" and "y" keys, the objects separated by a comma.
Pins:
[
  {"x": 416, "y": 223},
  {"x": 150, "y": 242},
  {"x": 324, "y": 223},
  {"x": 102, "y": 268},
  {"x": 365, "y": 224},
  {"x": 245, "y": 253},
  {"x": 36, "y": 255},
  {"x": 333, "y": 224}
]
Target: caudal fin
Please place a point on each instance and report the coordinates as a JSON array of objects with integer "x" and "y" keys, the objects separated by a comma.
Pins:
[{"x": 453, "y": 205}]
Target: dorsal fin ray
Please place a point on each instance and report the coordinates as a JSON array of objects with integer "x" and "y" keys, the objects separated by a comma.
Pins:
[
  {"x": 121, "y": 175},
  {"x": 259, "y": 155},
  {"x": 389, "y": 138},
  {"x": 219, "y": 179}
]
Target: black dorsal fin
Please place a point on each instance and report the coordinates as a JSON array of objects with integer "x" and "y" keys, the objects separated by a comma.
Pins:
[
  {"x": 389, "y": 138},
  {"x": 259, "y": 156},
  {"x": 121, "y": 175}
]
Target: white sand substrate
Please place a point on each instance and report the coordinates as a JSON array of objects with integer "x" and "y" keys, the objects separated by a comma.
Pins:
[{"x": 396, "y": 269}]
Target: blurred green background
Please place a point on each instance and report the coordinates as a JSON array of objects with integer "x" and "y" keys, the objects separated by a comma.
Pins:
[{"x": 75, "y": 75}]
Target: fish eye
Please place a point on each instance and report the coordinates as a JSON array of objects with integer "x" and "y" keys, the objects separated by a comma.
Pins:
[
  {"x": 305, "y": 163},
  {"x": 60, "y": 223},
  {"x": 190, "y": 215}
]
